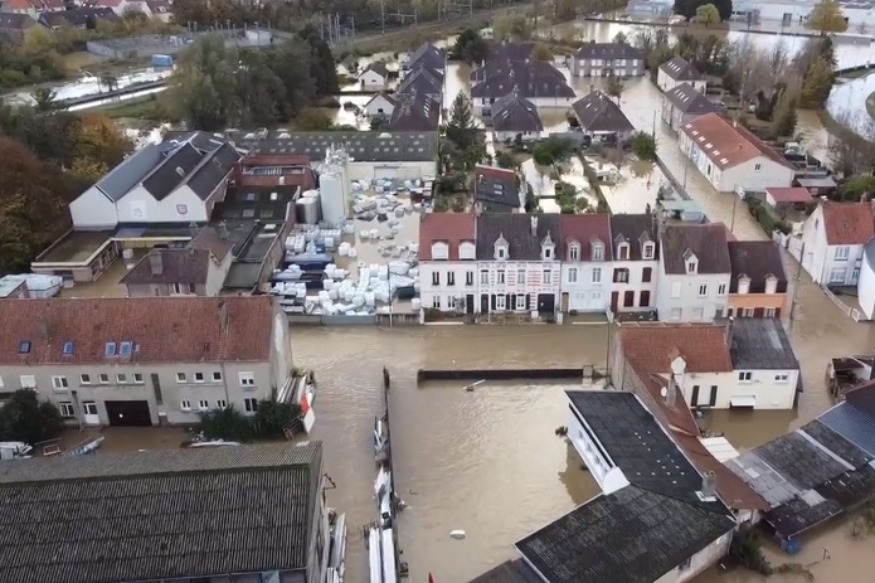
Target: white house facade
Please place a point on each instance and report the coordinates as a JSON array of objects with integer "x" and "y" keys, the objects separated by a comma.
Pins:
[
  {"x": 586, "y": 262},
  {"x": 731, "y": 157},
  {"x": 677, "y": 71},
  {"x": 518, "y": 263},
  {"x": 448, "y": 262},
  {"x": 832, "y": 243},
  {"x": 375, "y": 77},
  {"x": 635, "y": 267},
  {"x": 380, "y": 105},
  {"x": 866, "y": 285},
  {"x": 694, "y": 273}
]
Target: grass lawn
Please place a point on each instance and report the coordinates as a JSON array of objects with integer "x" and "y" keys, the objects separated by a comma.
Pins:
[{"x": 147, "y": 108}]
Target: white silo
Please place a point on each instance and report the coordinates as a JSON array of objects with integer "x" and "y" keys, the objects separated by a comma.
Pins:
[{"x": 334, "y": 188}]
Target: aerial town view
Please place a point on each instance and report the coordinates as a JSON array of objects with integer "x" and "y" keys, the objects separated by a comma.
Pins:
[{"x": 444, "y": 291}]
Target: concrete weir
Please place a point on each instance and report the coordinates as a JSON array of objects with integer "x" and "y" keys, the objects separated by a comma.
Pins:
[{"x": 509, "y": 374}]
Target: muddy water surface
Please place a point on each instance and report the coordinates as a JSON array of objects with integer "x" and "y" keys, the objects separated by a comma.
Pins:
[{"x": 488, "y": 462}]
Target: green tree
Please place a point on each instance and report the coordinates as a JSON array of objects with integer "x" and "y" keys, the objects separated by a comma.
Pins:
[
  {"x": 707, "y": 14},
  {"x": 621, "y": 39},
  {"x": 566, "y": 10},
  {"x": 552, "y": 150},
  {"x": 857, "y": 187},
  {"x": 817, "y": 84},
  {"x": 784, "y": 117},
  {"x": 24, "y": 417},
  {"x": 461, "y": 129},
  {"x": 512, "y": 27},
  {"x": 542, "y": 52},
  {"x": 379, "y": 123},
  {"x": 272, "y": 418},
  {"x": 644, "y": 146},
  {"x": 312, "y": 120},
  {"x": 688, "y": 8},
  {"x": 614, "y": 87},
  {"x": 827, "y": 16},
  {"x": 43, "y": 99},
  {"x": 228, "y": 423},
  {"x": 203, "y": 88},
  {"x": 323, "y": 69},
  {"x": 470, "y": 47}
]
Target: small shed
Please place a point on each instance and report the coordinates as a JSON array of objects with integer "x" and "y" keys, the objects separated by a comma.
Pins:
[{"x": 795, "y": 197}]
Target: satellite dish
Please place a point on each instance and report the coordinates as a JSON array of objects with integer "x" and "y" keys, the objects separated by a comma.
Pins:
[{"x": 663, "y": 392}]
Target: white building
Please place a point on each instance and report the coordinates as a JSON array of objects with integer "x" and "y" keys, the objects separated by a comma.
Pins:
[
  {"x": 172, "y": 182},
  {"x": 448, "y": 262},
  {"x": 518, "y": 260},
  {"x": 586, "y": 262},
  {"x": 833, "y": 237},
  {"x": 866, "y": 285},
  {"x": 375, "y": 77},
  {"x": 373, "y": 155},
  {"x": 677, "y": 71},
  {"x": 740, "y": 363},
  {"x": 731, "y": 157},
  {"x": 694, "y": 273},
  {"x": 635, "y": 263},
  {"x": 381, "y": 105}
]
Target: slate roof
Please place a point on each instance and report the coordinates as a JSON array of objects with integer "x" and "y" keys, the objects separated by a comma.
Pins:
[
  {"x": 157, "y": 515},
  {"x": 379, "y": 68},
  {"x": 633, "y": 535},
  {"x": 428, "y": 56},
  {"x": 421, "y": 80},
  {"x": 863, "y": 398},
  {"x": 213, "y": 170},
  {"x": 162, "y": 329},
  {"x": 78, "y": 17},
  {"x": 585, "y": 230},
  {"x": 497, "y": 186},
  {"x": 415, "y": 112},
  {"x": 853, "y": 424},
  {"x": 847, "y": 223},
  {"x": 451, "y": 228},
  {"x": 172, "y": 171},
  {"x": 511, "y": 51},
  {"x": 514, "y": 113},
  {"x": 728, "y": 144},
  {"x": 708, "y": 242},
  {"x": 680, "y": 69},
  {"x": 597, "y": 112},
  {"x": 756, "y": 260},
  {"x": 362, "y": 146},
  {"x": 636, "y": 230},
  {"x": 761, "y": 344},
  {"x": 688, "y": 100},
  {"x": 516, "y": 230},
  {"x": 18, "y": 22},
  {"x": 516, "y": 571},
  {"x": 608, "y": 51},
  {"x": 530, "y": 79}
]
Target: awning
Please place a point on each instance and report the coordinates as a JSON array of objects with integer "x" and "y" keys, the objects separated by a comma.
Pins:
[{"x": 748, "y": 401}]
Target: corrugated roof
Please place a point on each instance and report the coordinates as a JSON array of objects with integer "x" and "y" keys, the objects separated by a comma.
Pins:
[{"x": 853, "y": 424}]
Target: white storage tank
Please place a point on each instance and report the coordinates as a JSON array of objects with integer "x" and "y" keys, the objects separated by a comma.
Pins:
[
  {"x": 333, "y": 195},
  {"x": 307, "y": 211}
]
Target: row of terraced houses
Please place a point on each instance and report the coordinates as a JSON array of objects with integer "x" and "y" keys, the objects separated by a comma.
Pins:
[{"x": 596, "y": 263}]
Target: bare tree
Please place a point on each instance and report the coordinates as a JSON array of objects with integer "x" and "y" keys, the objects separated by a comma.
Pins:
[{"x": 851, "y": 147}]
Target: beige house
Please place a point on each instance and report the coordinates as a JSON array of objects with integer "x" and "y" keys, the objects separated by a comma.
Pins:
[
  {"x": 198, "y": 269},
  {"x": 145, "y": 361}
]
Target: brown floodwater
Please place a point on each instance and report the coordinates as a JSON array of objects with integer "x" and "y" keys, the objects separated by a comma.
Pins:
[{"x": 488, "y": 462}]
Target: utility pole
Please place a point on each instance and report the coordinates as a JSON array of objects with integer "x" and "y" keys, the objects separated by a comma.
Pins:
[{"x": 796, "y": 284}]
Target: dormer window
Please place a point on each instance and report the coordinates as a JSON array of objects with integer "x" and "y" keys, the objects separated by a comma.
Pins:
[
  {"x": 598, "y": 252},
  {"x": 440, "y": 251},
  {"x": 502, "y": 251},
  {"x": 771, "y": 284},
  {"x": 623, "y": 251},
  {"x": 548, "y": 249},
  {"x": 648, "y": 250},
  {"x": 744, "y": 284},
  {"x": 574, "y": 252},
  {"x": 691, "y": 262},
  {"x": 467, "y": 251}
]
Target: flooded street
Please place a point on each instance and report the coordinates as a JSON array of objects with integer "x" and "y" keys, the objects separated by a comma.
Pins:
[{"x": 489, "y": 462}]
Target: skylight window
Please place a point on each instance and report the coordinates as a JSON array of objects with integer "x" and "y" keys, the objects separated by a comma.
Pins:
[
  {"x": 126, "y": 348},
  {"x": 24, "y": 347},
  {"x": 110, "y": 349},
  {"x": 68, "y": 348}
]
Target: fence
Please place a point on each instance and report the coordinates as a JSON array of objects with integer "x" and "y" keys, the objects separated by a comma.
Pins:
[{"x": 145, "y": 46}]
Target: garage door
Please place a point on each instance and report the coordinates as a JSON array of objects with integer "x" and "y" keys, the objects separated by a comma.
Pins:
[
  {"x": 385, "y": 172},
  {"x": 129, "y": 413}
]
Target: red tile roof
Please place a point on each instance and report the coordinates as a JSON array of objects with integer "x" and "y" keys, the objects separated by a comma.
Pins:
[
  {"x": 649, "y": 349},
  {"x": 789, "y": 194},
  {"x": 165, "y": 329},
  {"x": 585, "y": 229},
  {"x": 848, "y": 223},
  {"x": 451, "y": 228},
  {"x": 496, "y": 173},
  {"x": 653, "y": 346},
  {"x": 726, "y": 143}
]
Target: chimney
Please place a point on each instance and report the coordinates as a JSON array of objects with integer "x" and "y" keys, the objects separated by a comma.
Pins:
[
  {"x": 729, "y": 327},
  {"x": 534, "y": 224},
  {"x": 709, "y": 485},
  {"x": 671, "y": 393},
  {"x": 223, "y": 316},
  {"x": 282, "y": 180},
  {"x": 678, "y": 367},
  {"x": 156, "y": 262}
]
